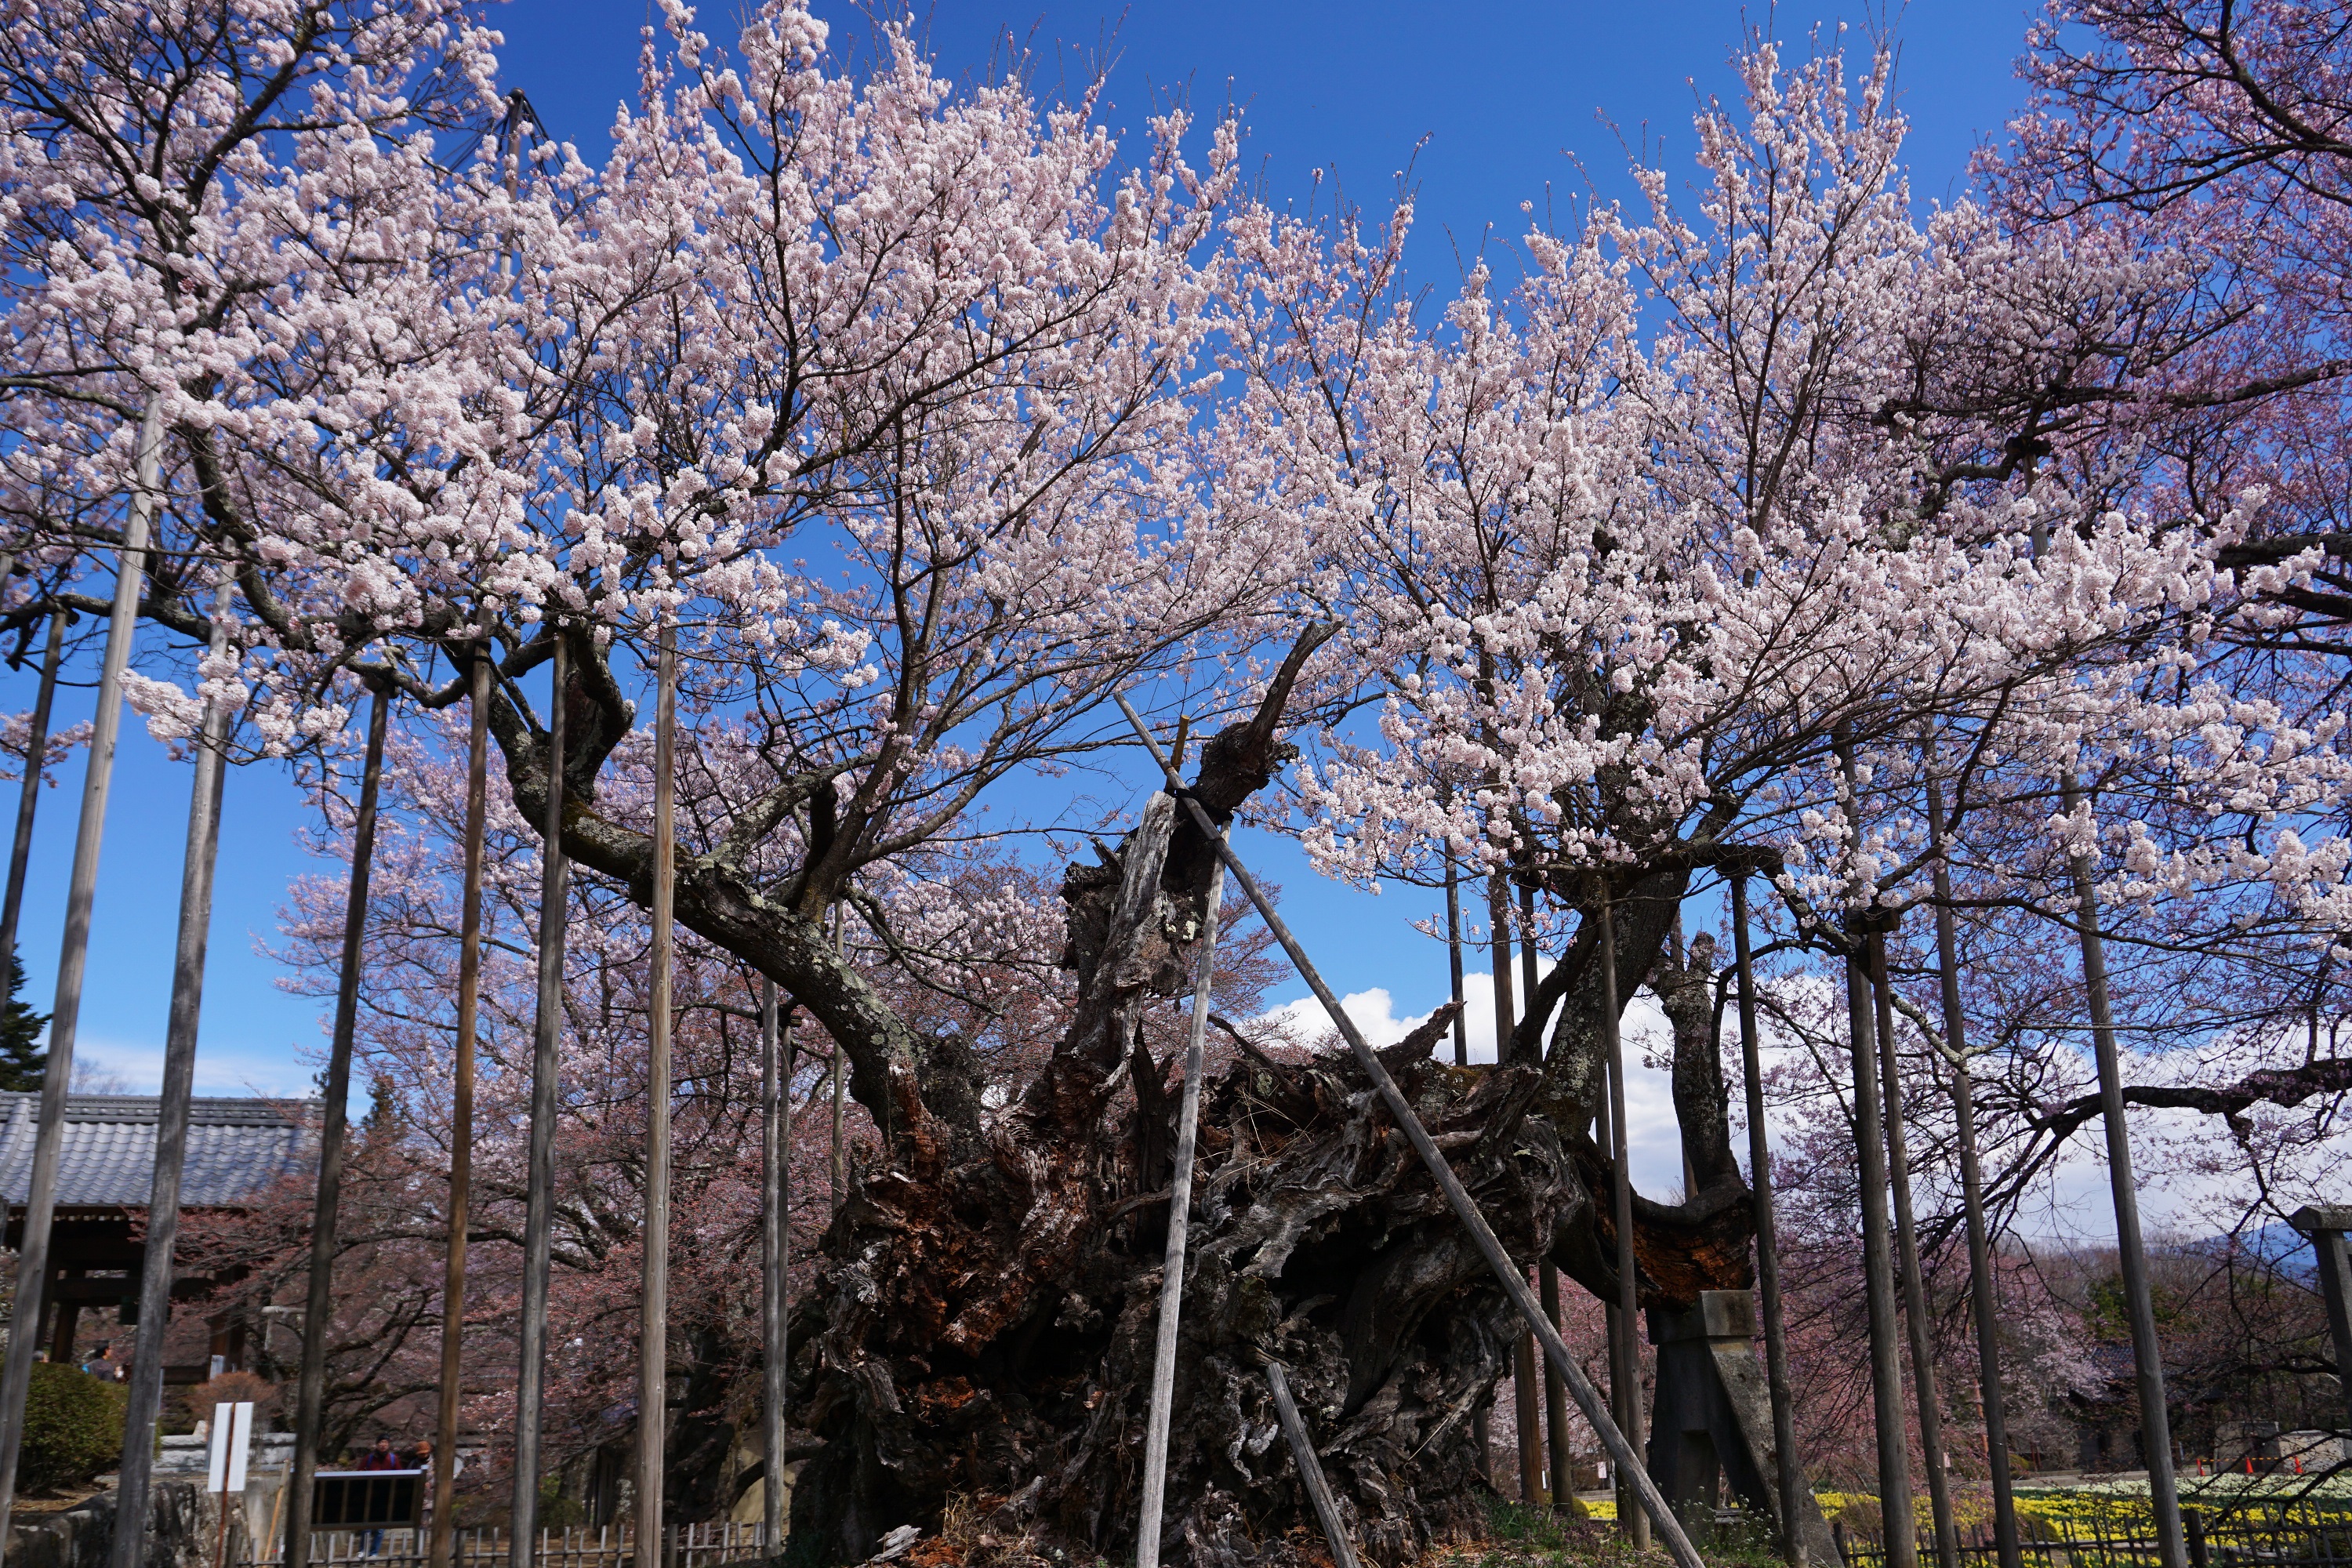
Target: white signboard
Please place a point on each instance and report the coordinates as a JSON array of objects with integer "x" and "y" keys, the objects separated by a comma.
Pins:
[{"x": 232, "y": 1447}]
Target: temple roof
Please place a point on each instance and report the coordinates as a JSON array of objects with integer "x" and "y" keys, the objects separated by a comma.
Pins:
[{"x": 237, "y": 1149}]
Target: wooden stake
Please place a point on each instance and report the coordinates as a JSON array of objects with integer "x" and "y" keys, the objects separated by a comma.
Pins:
[
  {"x": 1310, "y": 1468},
  {"x": 81, "y": 892},
  {"x": 28, "y": 799},
  {"x": 1987, "y": 1308},
  {"x": 775, "y": 1256},
  {"x": 546, "y": 1067},
  {"x": 2147, "y": 1356},
  {"x": 1180, "y": 1211},
  {"x": 1877, "y": 1261},
  {"x": 1457, "y": 1197},
  {"x": 461, "y": 1118},
  {"x": 146, "y": 1392},
  {"x": 1767, "y": 1246},
  {"x": 1916, "y": 1325},
  {"x": 318, "y": 1314},
  {"x": 653, "y": 1332}
]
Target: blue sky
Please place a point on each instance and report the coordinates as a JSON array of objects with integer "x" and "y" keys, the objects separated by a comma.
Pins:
[{"x": 1489, "y": 103}]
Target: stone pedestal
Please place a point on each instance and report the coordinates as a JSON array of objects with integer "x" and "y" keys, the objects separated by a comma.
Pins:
[{"x": 1711, "y": 1422}]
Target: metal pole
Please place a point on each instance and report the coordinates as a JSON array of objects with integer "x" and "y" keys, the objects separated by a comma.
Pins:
[
  {"x": 1915, "y": 1323},
  {"x": 28, "y": 799},
  {"x": 146, "y": 1392},
  {"x": 1310, "y": 1468},
  {"x": 1625, "y": 1368},
  {"x": 2148, "y": 1354},
  {"x": 310, "y": 1387},
  {"x": 653, "y": 1334},
  {"x": 1986, "y": 1309},
  {"x": 461, "y": 1119},
  {"x": 1878, "y": 1263},
  {"x": 546, "y": 1067},
  {"x": 1457, "y": 1197},
  {"x": 775, "y": 1254},
  {"x": 1180, "y": 1212},
  {"x": 41, "y": 1205},
  {"x": 1768, "y": 1243}
]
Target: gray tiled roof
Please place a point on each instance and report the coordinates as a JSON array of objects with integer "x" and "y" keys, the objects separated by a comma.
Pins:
[{"x": 236, "y": 1148}]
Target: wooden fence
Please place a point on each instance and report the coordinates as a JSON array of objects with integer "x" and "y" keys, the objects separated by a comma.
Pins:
[{"x": 609, "y": 1546}]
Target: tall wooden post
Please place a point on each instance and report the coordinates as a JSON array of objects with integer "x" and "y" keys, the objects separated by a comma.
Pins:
[
  {"x": 775, "y": 1259},
  {"x": 1916, "y": 1323},
  {"x": 81, "y": 892},
  {"x": 839, "y": 1170},
  {"x": 1768, "y": 1243},
  {"x": 1180, "y": 1212},
  {"x": 2325, "y": 1224},
  {"x": 653, "y": 1331},
  {"x": 1985, "y": 1306},
  {"x": 318, "y": 1312},
  {"x": 28, "y": 799},
  {"x": 461, "y": 1115},
  {"x": 1527, "y": 1389},
  {"x": 1877, "y": 1259},
  {"x": 546, "y": 1067},
  {"x": 2147, "y": 1353},
  {"x": 128, "y": 1548},
  {"x": 1563, "y": 1482},
  {"x": 1625, "y": 1368},
  {"x": 1481, "y": 1434}
]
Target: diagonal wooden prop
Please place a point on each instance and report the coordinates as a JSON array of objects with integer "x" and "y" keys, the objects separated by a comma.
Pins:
[{"x": 1513, "y": 1283}]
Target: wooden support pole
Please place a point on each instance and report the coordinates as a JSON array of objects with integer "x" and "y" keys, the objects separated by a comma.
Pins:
[
  {"x": 28, "y": 799},
  {"x": 1180, "y": 1213},
  {"x": 1626, "y": 1365},
  {"x": 1877, "y": 1257},
  {"x": 653, "y": 1329},
  {"x": 1527, "y": 1387},
  {"x": 2326, "y": 1225},
  {"x": 1310, "y": 1468},
  {"x": 1917, "y": 1326},
  {"x": 128, "y": 1548},
  {"x": 461, "y": 1114},
  {"x": 318, "y": 1312},
  {"x": 775, "y": 1259},
  {"x": 546, "y": 1067},
  {"x": 1457, "y": 1197},
  {"x": 81, "y": 893},
  {"x": 2148, "y": 1354},
  {"x": 1562, "y": 1486},
  {"x": 1454, "y": 962},
  {"x": 1768, "y": 1244},
  {"x": 839, "y": 1170},
  {"x": 1986, "y": 1307}
]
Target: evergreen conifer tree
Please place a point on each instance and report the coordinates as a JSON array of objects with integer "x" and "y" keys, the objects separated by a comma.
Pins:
[{"x": 22, "y": 1060}]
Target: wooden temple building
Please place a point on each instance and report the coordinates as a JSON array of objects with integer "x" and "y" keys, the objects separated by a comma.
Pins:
[{"x": 237, "y": 1149}]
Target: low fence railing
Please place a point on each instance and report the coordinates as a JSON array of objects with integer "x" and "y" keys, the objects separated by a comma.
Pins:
[
  {"x": 2238, "y": 1543},
  {"x": 606, "y": 1546}
]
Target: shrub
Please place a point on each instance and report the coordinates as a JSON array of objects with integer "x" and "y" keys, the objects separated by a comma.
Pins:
[{"x": 73, "y": 1426}]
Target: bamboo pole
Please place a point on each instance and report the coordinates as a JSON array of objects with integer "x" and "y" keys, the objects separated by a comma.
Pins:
[
  {"x": 1915, "y": 1323},
  {"x": 81, "y": 892},
  {"x": 311, "y": 1384},
  {"x": 1986, "y": 1307},
  {"x": 2148, "y": 1354},
  {"x": 461, "y": 1119},
  {"x": 1878, "y": 1267},
  {"x": 653, "y": 1333},
  {"x": 546, "y": 1065},
  {"x": 146, "y": 1392},
  {"x": 1310, "y": 1468},
  {"x": 28, "y": 799},
  {"x": 1625, "y": 1359},
  {"x": 775, "y": 1256},
  {"x": 1768, "y": 1244},
  {"x": 1180, "y": 1212},
  {"x": 1457, "y": 1197}
]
